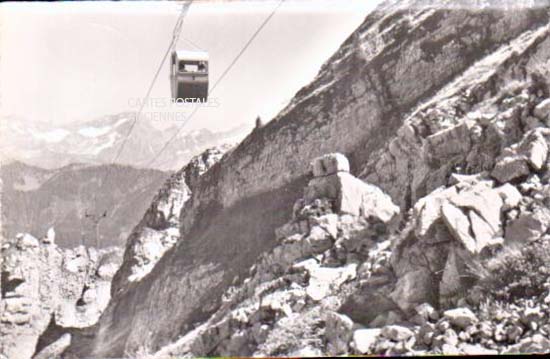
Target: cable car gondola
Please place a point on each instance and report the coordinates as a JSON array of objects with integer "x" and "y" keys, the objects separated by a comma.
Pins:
[{"x": 189, "y": 76}]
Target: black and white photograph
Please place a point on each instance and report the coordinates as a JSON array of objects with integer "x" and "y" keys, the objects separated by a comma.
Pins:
[{"x": 274, "y": 178}]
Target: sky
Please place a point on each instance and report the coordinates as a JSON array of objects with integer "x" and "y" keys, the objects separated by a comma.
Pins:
[{"x": 70, "y": 62}]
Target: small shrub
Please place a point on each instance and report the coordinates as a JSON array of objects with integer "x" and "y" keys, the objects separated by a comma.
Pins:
[{"x": 519, "y": 274}]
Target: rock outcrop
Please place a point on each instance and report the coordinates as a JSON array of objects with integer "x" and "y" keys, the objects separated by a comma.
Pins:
[
  {"x": 158, "y": 231},
  {"x": 450, "y": 237},
  {"x": 46, "y": 290},
  {"x": 287, "y": 302}
]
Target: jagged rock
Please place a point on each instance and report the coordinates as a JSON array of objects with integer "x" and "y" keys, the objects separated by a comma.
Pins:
[
  {"x": 352, "y": 196},
  {"x": 55, "y": 349},
  {"x": 339, "y": 331},
  {"x": 528, "y": 226},
  {"x": 396, "y": 332},
  {"x": 468, "y": 180},
  {"x": 510, "y": 196},
  {"x": 460, "y": 317},
  {"x": 448, "y": 143},
  {"x": 364, "y": 340},
  {"x": 75, "y": 262},
  {"x": 510, "y": 168},
  {"x": 428, "y": 209},
  {"x": 368, "y": 302},
  {"x": 291, "y": 228},
  {"x": 459, "y": 225},
  {"x": 328, "y": 223},
  {"x": 329, "y": 164},
  {"x": 198, "y": 165},
  {"x": 542, "y": 110},
  {"x": 449, "y": 349},
  {"x": 424, "y": 313},
  {"x": 25, "y": 241},
  {"x": 319, "y": 239},
  {"x": 325, "y": 281},
  {"x": 470, "y": 212},
  {"x": 485, "y": 235},
  {"x": 484, "y": 200},
  {"x": 532, "y": 150},
  {"x": 152, "y": 245},
  {"x": 535, "y": 149},
  {"x": 531, "y": 122},
  {"x": 413, "y": 288},
  {"x": 450, "y": 337},
  {"x": 48, "y": 285},
  {"x": 452, "y": 278}
]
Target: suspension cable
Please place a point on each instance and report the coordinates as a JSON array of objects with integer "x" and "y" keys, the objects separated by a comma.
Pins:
[
  {"x": 174, "y": 39},
  {"x": 225, "y": 72}
]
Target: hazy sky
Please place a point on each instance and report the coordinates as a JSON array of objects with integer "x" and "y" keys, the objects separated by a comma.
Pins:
[{"x": 69, "y": 62}]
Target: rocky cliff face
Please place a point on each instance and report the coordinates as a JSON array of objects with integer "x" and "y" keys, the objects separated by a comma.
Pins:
[
  {"x": 343, "y": 279},
  {"x": 158, "y": 231},
  {"x": 445, "y": 110},
  {"x": 47, "y": 291}
]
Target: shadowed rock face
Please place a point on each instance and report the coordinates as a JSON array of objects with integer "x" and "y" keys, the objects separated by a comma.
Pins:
[{"x": 398, "y": 59}]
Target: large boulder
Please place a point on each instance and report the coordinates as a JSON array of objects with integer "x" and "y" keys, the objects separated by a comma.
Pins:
[
  {"x": 460, "y": 317},
  {"x": 364, "y": 339},
  {"x": 350, "y": 194},
  {"x": 518, "y": 160},
  {"x": 510, "y": 168},
  {"x": 529, "y": 226},
  {"x": 448, "y": 231},
  {"x": 339, "y": 331},
  {"x": 534, "y": 148}
]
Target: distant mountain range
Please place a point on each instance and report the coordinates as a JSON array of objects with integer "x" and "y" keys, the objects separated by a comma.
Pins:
[
  {"x": 35, "y": 199},
  {"x": 98, "y": 141}
]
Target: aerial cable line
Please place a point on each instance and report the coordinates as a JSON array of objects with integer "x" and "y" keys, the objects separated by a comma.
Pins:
[
  {"x": 193, "y": 44},
  {"x": 175, "y": 36},
  {"x": 222, "y": 76}
]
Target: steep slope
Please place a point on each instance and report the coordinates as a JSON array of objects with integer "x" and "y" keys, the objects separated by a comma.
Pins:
[
  {"x": 158, "y": 231},
  {"x": 342, "y": 280},
  {"x": 339, "y": 229},
  {"x": 36, "y": 199},
  {"x": 403, "y": 55}
]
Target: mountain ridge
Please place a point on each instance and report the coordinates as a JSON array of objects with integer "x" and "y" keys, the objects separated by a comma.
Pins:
[{"x": 97, "y": 141}]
